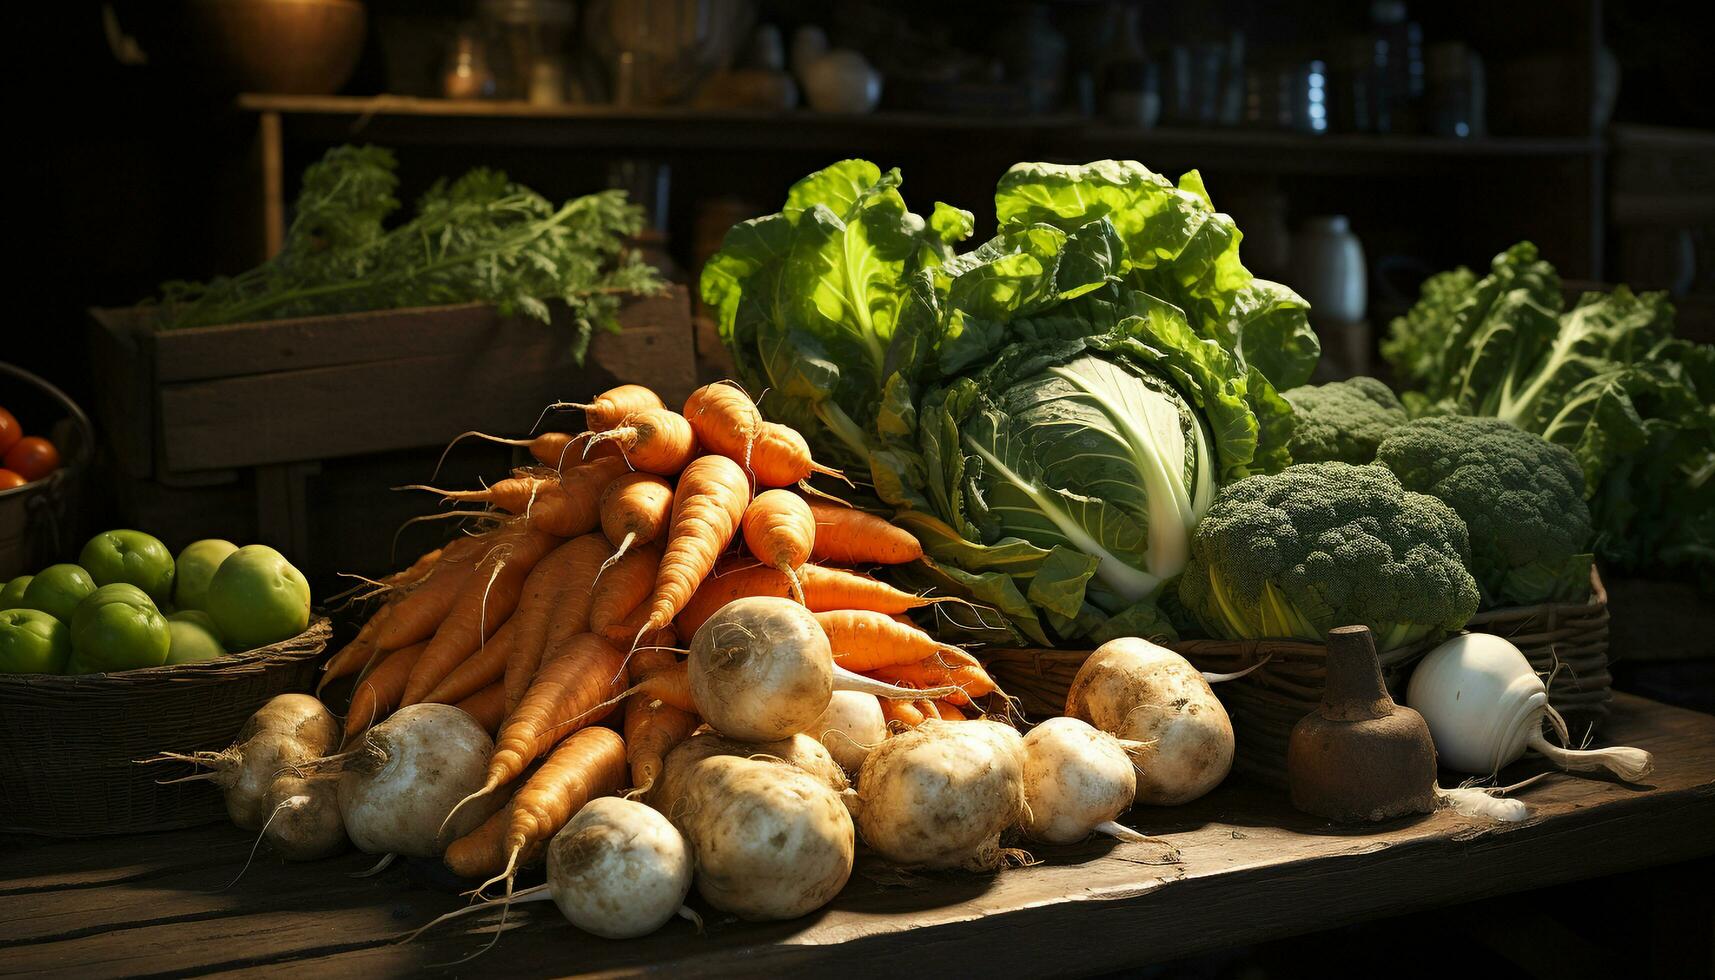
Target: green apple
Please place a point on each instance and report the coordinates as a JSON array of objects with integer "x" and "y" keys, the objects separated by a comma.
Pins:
[
  {"x": 130, "y": 556},
  {"x": 32, "y": 642},
  {"x": 12, "y": 596},
  {"x": 117, "y": 628},
  {"x": 195, "y": 567},
  {"x": 256, "y": 598},
  {"x": 57, "y": 589},
  {"x": 194, "y": 638}
]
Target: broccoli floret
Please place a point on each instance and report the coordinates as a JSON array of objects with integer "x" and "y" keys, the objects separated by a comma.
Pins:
[
  {"x": 1319, "y": 545},
  {"x": 1342, "y": 420},
  {"x": 1521, "y": 497}
]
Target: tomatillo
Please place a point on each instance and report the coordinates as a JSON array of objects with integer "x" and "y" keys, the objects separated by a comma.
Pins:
[
  {"x": 256, "y": 598},
  {"x": 130, "y": 556},
  {"x": 117, "y": 628},
  {"x": 57, "y": 590},
  {"x": 32, "y": 642},
  {"x": 195, "y": 567}
]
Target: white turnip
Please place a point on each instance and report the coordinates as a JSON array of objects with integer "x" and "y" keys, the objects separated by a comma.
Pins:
[
  {"x": 941, "y": 794},
  {"x": 1144, "y": 693},
  {"x": 771, "y": 841},
  {"x": 1077, "y": 781},
  {"x": 287, "y": 731},
  {"x": 306, "y": 823},
  {"x": 798, "y": 750},
  {"x": 851, "y": 726},
  {"x": 398, "y": 786},
  {"x": 761, "y": 669},
  {"x": 619, "y": 869},
  {"x": 298, "y": 715}
]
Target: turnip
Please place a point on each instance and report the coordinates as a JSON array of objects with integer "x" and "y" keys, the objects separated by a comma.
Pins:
[
  {"x": 798, "y": 750},
  {"x": 289, "y": 730},
  {"x": 305, "y": 824},
  {"x": 1077, "y": 780},
  {"x": 399, "y": 785},
  {"x": 851, "y": 725},
  {"x": 761, "y": 669},
  {"x": 771, "y": 841},
  {"x": 941, "y": 794},
  {"x": 298, "y": 715},
  {"x": 1147, "y": 694},
  {"x": 619, "y": 869}
]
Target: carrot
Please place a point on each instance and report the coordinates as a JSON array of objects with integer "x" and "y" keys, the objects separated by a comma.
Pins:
[
  {"x": 970, "y": 678},
  {"x": 528, "y": 625},
  {"x": 906, "y": 713},
  {"x": 652, "y": 728},
  {"x": 356, "y": 655},
  {"x": 551, "y": 449},
  {"x": 588, "y": 764},
  {"x": 619, "y": 591},
  {"x": 949, "y": 711},
  {"x": 781, "y": 457},
  {"x": 864, "y": 640},
  {"x": 657, "y": 440},
  {"x": 417, "y": 570},
  {"x": 489, "y": 597},
  {"x": 418, "y": 615},
  {"x": 780, "y": 531},
  {"x": 634, "y": 510},
  {"x": 572, "y": 691},
  {"x": 378, "y": 694},
  {"x": 625, "y": 633},
  {"x": 668, "y": 685},
  {"x": 487, "y": 706},
  {"x": 567, "y": 613},
  {"x": 482, "y": 852},
  {"x": 824, "y": 589},
  {"x": 725, "y": 420},
  {"x": 563, "y": 505},
  {"x": 614, "y": 404},
  {"x": 707, "y": 507},
  {"x": 846, "y": 536}
]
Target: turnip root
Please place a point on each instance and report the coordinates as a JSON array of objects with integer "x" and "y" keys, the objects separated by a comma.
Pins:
[
  {"x": 305, "y": 824},
  {"x": 941, "y": 794},
  {"x": 771, "y": 841},
  {"x": 298, "y": 715},
  {"x": 399, "y": 784},
  {"x": 851, "y": 726},
  {"x": 1077, "y": 780},
  {"x": 619, "y": 869},
  {"x": 798, "y": 750},
  {"x": 1144, "y": 693},
  {"x": 761, "y": 669}
]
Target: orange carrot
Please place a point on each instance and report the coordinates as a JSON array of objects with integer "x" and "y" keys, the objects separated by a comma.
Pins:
[
  {"x": 356, "y": 655},
  {"x": 780, "y": 531},
  {"x": 938, "y": 671},
  {"x": 487, "y": 706},
  {"x": 588, "y": 764},
  {"x": 619, "y": 590},
  {"x": 781, "y": 457},
  {"x": 417, "y": 570},
  {"x": 574, "y": 690},
  {"x": 552, "y": 449},
  {"x": 418, "y": 615},
  {"x": 824, "y": 589},
  {"x": 528, "y": 624},
  {"x": 657, "y": 440},
  {"x": 378, "y": 694},
  {"x": 567, "y": 613},
  {"x": 725, "y": 420},
  {"x": 482, "y": 852},
  {"x": 866, "y": 640},
  {"x": 614, "y": 404},
  {"x": 563, "y": 505},
  {"x": 668, "y": 685},
  {"x": 489, "y": 597},
  {"x": 652, "y": 728},
  {"x": 905, "y": 713},
  {"x": 949, "y": 711},
  {"x": 846, "y": 536},
  {"x": 634, "y": 510},
  {"x": 630, "y": 632},
  {"x": 707, "y": 507}
]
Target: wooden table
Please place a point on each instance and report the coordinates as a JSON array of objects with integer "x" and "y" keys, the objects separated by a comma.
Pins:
[{"x": 1247, "y": 869}]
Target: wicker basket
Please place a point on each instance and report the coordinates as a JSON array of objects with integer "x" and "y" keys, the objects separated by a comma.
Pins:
[
  {"x": 1264, "y": 704},
  {"x": 1567, "y": 641},
  {"x": 38, "y": 519},
  {"x": 69, "y": 744}
]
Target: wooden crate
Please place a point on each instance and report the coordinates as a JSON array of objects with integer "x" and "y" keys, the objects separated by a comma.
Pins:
[{"x": 180, "y": 403}]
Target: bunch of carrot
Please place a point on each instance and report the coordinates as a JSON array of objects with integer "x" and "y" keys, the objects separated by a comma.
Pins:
[{"x": 600, "y": 560}]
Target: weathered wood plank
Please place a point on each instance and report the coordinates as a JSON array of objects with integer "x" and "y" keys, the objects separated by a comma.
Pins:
[{"x": 1248, "y": 869}]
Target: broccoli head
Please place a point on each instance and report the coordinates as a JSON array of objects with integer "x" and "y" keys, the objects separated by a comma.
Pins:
[
  {"x": 1521, "y": 497},
  {"x": 1318, "y": 545},
  {"x": 1342, "y": 420}
]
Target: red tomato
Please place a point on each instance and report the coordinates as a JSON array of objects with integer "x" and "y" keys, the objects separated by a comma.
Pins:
[
  {"x": 10, "y": 431},
  {"x": 9, "y": 479},
  {"x": 32, "y": 458}
]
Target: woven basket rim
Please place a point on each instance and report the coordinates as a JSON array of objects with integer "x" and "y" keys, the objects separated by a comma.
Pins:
[
  {"x": 310, "y": 643},
  {"x": 1597, "y": 603}
]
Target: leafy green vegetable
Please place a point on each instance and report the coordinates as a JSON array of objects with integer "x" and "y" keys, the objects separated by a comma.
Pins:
[
  {"x": 1342, "y": 420},
  {"x": 1521, "y": 497},
  {"x": 480, "y": 238},
  {"x": 1606, "y": 379},
  {"x": 1037, "y": 410},
  {"x": 1320, "y": 545}
]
